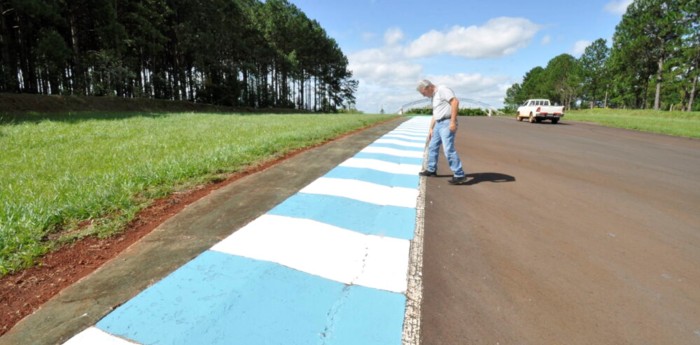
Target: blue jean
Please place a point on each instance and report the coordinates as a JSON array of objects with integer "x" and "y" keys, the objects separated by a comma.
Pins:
[{"x": 443, "y": 135}]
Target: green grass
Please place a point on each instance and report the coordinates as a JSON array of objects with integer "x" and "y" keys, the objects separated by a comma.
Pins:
[
  {"x": 59, "y": 172},
  {"x": 676, "y": 123}
]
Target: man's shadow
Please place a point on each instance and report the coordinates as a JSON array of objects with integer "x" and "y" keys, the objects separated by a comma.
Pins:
[{"x": 475, "y": 178}]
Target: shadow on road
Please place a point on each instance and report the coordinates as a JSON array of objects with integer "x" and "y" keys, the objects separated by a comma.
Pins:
[{"x": 488, "y": 177}]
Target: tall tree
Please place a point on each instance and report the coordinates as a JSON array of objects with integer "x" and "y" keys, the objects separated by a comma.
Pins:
[
  {"x": 535, "y": 84},
  {"x": 593, "y": 72},
  {"x": 648, "y": 35},
  {"x": 514, "y": 97},
  {"x": 562, "y": 79},
  {"x": 232, "y": 52}
]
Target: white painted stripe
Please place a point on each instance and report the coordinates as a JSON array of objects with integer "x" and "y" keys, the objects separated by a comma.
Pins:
[
  {"x": 324, "y": 250},
  {"x": 412, "y": 126},
  {"x": 393, "y": 152},
  {"x": 399, "y": 142},
  {"x": 409, "y": 131},
  {"x": 380, "y": 165},
  {"x": 94, "y": 335},
  {"x": 412, "y": 138},
  {"x": 363, "y": 191}
]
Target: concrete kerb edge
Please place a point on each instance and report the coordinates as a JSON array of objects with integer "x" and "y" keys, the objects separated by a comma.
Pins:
[{"x": 414, "y": 293}]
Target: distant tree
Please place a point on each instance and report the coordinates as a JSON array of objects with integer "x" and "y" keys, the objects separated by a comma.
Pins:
[
  {"x": 562, "y": 79},
  {"x": 687, "y": 72},
  {"x": 232, "y": 52},
  {"x": 514, "y": 98},
  {"x": 654, "y": 61},
  {"x": 535, "y": 84},
  {"x": 595, "y": 83},
  {"x": 649, "y": 34},
  {"x": 53, "y": 57}
]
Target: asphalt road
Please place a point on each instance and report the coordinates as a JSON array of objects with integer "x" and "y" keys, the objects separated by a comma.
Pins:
[{"x": 566, "y": 234}]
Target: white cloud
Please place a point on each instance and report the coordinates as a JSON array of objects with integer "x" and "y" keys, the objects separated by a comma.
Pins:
[
  {"x": 580, "y": 48},
  {"x": 393, "y": 36},
  {"x": 387, "y": 75},
  {"x": 382, "y": 65},
  {"x": 498, "y": 37},
  {"x": 617, "y": 6},
  {"x": 381, "y": 72},
  {"x": 546, "y": 40},
  {"x": 477, "y": 87}
]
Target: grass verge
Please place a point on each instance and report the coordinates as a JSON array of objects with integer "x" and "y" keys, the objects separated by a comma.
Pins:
[
  {"x": 676, "y": 123},
  {"x": 59, "y": 173}
]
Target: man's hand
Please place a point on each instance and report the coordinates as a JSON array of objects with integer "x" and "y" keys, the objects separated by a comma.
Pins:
[{"x": 453, "y": 126}]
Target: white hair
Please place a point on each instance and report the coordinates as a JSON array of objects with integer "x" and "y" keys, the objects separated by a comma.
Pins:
[{"x": 423, "y": 84}]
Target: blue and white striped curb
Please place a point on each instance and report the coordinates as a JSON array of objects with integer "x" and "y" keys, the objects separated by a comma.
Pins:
[{"x": 329, "y": 265}]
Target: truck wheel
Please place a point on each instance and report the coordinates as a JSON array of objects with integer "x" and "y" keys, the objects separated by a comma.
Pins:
[
  {"x": 531, "y": 119},
  {"x": 517, "y": 117},
  {"x": 554, "y": 121}
]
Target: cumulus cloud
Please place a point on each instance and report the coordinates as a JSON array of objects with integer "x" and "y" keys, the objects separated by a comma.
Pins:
[
  {"x": 498, "y": 37},
  {"x": 580, "y": 47},
  {"x": 388, "y": 74},
  {"x": 617, "y": 6},
  {"x": 475, "y": 86},
  {"x": 382, "y": 65},
  {"x": 393, "y": 36}
]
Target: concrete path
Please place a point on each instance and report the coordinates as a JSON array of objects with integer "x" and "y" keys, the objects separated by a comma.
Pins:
[{"x": 327, "y": 265}]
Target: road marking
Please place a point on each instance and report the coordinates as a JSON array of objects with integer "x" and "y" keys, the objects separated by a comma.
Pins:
[
  {"x": 412, "y": 138},
  {"x": 363, "y": 191},
  {"x": 393, "y": 152},
  {"x": 362, "y": 217},
  {"x": 336, "y": 263},
  {"x": 94, "y": 335},
  {"x": 402, "y": 143},
  {"x": 324, "y": 250},
  {"x": 225, "y": 299}
]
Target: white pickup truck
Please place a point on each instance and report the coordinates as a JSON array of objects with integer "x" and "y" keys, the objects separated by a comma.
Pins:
[{"x": 536, "y": 110}]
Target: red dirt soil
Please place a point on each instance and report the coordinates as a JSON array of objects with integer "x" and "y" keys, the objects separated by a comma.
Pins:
[{"x": 24, "y": 292}]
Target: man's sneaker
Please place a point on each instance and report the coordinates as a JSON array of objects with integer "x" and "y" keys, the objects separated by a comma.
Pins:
[
  {"x": 457, "y": 180},
  {"x": 427, "y": 173}
]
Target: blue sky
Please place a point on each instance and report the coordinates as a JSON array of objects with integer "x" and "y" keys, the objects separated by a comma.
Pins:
[{"x": 478, "y": 48}]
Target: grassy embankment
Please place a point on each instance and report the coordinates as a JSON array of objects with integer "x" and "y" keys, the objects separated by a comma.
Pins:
[
  {"x": 57, "y": 172},
  {"x": 676, "y": 123}
]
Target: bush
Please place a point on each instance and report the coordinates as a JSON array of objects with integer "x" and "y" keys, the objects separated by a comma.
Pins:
[{"x": 462, "y": 111}]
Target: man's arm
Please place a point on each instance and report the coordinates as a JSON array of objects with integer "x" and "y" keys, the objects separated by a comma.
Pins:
[{"x": 454, "y": 102}]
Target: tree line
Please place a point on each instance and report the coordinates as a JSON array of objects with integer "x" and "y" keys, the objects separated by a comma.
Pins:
[
  {"x": 246, "y": 53},
  {"x": 653, "y": 63}
]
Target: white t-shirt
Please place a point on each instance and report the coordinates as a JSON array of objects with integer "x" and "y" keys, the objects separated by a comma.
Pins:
[{"x": 441, "y": 102}]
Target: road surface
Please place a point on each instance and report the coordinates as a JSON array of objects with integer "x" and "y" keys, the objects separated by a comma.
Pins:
[{"x": 566, "y": 234}]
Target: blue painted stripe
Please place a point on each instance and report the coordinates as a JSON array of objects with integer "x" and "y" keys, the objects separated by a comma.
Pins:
[
  {"x": 390, "y": 158},
  {"x": 374, "y": 176},
  {"x": 224, "y": 299},
  {"x": 362, "y": 217}
]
